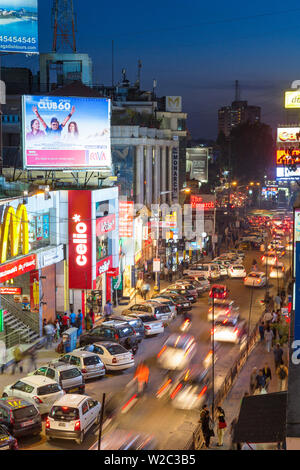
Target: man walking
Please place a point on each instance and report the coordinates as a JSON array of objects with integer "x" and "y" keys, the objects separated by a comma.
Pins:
[
  {"x": 268, "y": 337},
  {"x": 107, "y": 310},
  {"x": 282, "y": 374},
  {"x": 278, "y": 354},
  {"x": 253, "y": 376},
  {"x": 49, "y": 332},
  {"x": 268, "y": 374},
  {"x": 261, "y": 330}
]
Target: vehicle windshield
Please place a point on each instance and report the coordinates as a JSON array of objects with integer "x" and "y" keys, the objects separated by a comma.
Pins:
[
  {"x": 116, "y": 349},
  {"x": 64, "y": 413},
  {"x": 126, "y": 331},
  {"x": 25, "y": 412},
  {"x": 253, "y": 275},
  {"x": 238, "y": 267},
  {"x": 91, "y": 360},
  {"x": 147, "y": 318},
  {"x": 70, "y": 373},
  {"x": 48, "y": 389}
]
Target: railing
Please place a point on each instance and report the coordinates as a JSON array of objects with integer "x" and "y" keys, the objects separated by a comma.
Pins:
[
  {"x": 31, "y": 320},
  {"x": 12, "y": 339}
]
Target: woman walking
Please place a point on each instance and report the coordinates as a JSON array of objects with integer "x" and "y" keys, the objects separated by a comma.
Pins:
[{"x": 221, "y": 425}]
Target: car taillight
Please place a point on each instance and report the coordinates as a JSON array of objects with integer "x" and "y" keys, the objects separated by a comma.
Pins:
[
  {"x": 132, "y": 356},
  {"x": 114, "y": 360},
  {"x": 202, "y": 391},
  {"x": 38, "y": 400},
  {"x": 77, "y": 426},
  {"x": 155, "y": 316},
  {"x": 173, "y": 394},
  {"x": 47, "y": 423},
  {"x": 258, "y": 281},
  {"x": 212, "y": 331},
  {"x": 84, "y": 371},
  {"x": 116, "y": 337},
  {"x": 161, "y": 351},
  {"x": 147, "y": 327},
  {"x": 246, "y": 279},
  {"x": 262, "y": 258},
  {"x": 134, "y": 331}
]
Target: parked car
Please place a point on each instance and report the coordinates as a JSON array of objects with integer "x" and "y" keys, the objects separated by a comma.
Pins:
[
  {"x": 7, "y": 441},
  {"x": 20, "y": 417},
  {"x": 190, "y": 288},
  {"x": 159, "y": 312},
  {"x": 237, "y": 271},
  {"x": 72, "y": 417},
  {"x": 202, "y": 280},
  {"x": 182, "y": 304},
  {"x": 87, "y": 362},
  {"x": 209, "y": 270},
  {"x": 255, "y": 279},
  {"x": 170, "y": 303},
  {"x": 114, "y": 356},
  {"x": 193, "y": 286},
  {"x": 180, "y": 290},
  {"x": 40, "y": 391},
  {"x": 113, "y": 330},
  {"x": 177, "y": 352},
  {"x": 68, "y": 376},
  {"x": 135, "y": 323},
  {"x": 151, "y": 324}
]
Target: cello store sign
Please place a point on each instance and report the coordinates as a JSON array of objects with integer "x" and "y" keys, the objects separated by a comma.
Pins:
[{"x": 80, "y": 240}]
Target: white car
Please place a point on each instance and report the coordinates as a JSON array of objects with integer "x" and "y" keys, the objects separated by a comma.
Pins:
[
  {"x": 209, "y": 270},
  {"x": 72, "y": 416},
  {"x": 255, "y": 279},
  {"x": 177, "y": 352},
  {"x": 222, "y": 307},
  {"x": 269, "y": 259},
  {"x": 230, "y": 330},
  {"x": 39, "y": 390},
  {"x": 87, "y": 362},
  {"x": 152, "y": 326},
  {"x": 277, "y": 271},
  {"x": 237, "y": 270},
  {"x": 203, "y": 281},
  {"x": 113, "y": 355},
  {"x": 223, "y": 267}
]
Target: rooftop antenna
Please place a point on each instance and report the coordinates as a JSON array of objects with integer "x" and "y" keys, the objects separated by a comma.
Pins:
[
  {"x": 64, "y": 28},
  {"x": 237, "y": 91}
]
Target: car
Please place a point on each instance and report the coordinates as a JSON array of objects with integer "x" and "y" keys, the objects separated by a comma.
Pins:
[
  {"x": 209, "y": 270},
  {"x": 41, "y": 391},
  {"x": 177, "y": 352},
  {"x": 118, "y": 331},
  {"x": 172, "y": 306},
  {"x": 190, "y": 287},
  {"x": 269, "y": 259},
  {"x": 181, "y": 290},
  {"x": 68, "y": 376},
  {"x": 151, "y": 324},
  {"x": 223, "y": 266},
  {"x": 191, "y": 390},
  {"x": 222, "y": 307},
  {"x": 218, "y": 291},
  {"x": 237, "y": 271},
  {"x": 7, "y": 441},
  {"x": 182, "y": 304},
  {"x": 202, "y": 280},
  {"x": 229, "y": 329},
  {"x": 72, "y": 417},
  {"x": 20, "y": 417},
  {"x": 255, "y": 279},
  {"x": 135, "y": 323},
  {"x": 158, "y": 311},
  {"x": 277, "y": 271},
  {"x": 121, "y": 439},
  {"x": 87, "y": 362},
  {"x": 279, "y": 251},
  {"x": 113, "y": 355}
]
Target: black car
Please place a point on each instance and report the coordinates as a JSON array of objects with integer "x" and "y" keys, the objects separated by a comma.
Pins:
[
  {"x": 184, "y": 293},
  {"x": 182, "y": 304},
  {"x": 20, "y": 417},
  {"x": 7, "y": 441},
  {"x": 112, "y": 330},
  {"x": 135, "y": 323}
]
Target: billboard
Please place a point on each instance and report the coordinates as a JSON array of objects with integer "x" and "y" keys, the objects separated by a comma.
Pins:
[
  {"x": 66, "y": 132},
  {"x": 19, "y": 26},
  {"x": 283, "y": 157},
  {"x": 126, "y": 213},
  {"x": 292, "y": 99},
  {"x": 283, "y": 173},
  {"x": 174, "y": 104},
  {"x": 288, "y": 134}
]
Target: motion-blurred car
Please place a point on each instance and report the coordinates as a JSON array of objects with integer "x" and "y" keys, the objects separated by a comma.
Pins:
[
  {"x": 289, "y": 246},
  {"x": 222, "y": 307},
  {"x": 237, "y": 271},
  {"x": 269, "y": 259},
  {"x": 277, "y": 271},
  {"x": 229, "y": 329},
  {"x": 191, "y": 391},
  {"x": 255, "y": 279},
  {"x": 126, "y": 440},
  {"x": 177, "y": 352},
  {"x": 218, "y": 291},
  {"x": 114, "y": 356},
  {"x": 7, "y": 442}
]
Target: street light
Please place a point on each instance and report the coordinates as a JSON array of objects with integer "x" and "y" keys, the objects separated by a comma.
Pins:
[{"x": 213, "y": 353}]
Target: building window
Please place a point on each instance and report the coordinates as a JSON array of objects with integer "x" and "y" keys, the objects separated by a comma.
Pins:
[{"x": 181, "y": 125}]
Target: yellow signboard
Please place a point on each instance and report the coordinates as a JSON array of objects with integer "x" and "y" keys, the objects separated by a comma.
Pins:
[
  {"x": 292, "y": 99},
  {"x": 14, "y": 228}
]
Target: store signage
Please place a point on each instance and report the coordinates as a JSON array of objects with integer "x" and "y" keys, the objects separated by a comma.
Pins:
[
  {"x": 156, "y": 265},
  {"x": 10, "y": 290},
  {"x": 207, "y": 204},
  {"x": 13, "y": 226},
  {"x": 80, "y": 239},
  {"x": 18, "y": 267},
  {"x": 103, "y": 266},
  {"x": 175, "y": 172},
  {"x": 282, "y": 156},
  {"x": 51, "y": 256},
  {"x": 105, "y": 224},
  {"x": 113, "y": 272},
  {"x": 292, "y": 99},
  {"x": 283, "y": 173},
  {"x": 174, "y": 104},
  {"x": 288, "y": 134},
  {"x": 126, "y": 219}
]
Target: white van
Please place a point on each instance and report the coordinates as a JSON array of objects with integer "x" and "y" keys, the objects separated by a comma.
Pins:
[
  {"x": 72, "y": 416},
  {"x": 209, "y": 270}
]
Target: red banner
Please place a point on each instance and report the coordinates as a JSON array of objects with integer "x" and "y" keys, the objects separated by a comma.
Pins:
[
  {"x": 80, "y": 239},
  {"x": 103, "y": 266},
  {"x": 113, "y": 272},
  {"x": 105, "y": 224},
  {"x": 16, "y": 268},
  {"x": 126, "y": 219},
  {"x": 10, "y": 290}
]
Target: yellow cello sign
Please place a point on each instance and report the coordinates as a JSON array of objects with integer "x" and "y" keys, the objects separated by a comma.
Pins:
[{"x": 15, "y": 231}]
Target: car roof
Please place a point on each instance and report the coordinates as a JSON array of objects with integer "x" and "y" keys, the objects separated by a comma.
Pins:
[
  {"x": 122, "y": 318},
  {"x": 58, "y": 365},
  {"x": 80, "y": 353},
  {"x": 114, "y": 323},
  {"x": 37, "y": 380},
  {"x": 71, "y": 399},
  {"x": 180, "y": 340},
  {"x": 14, "y": 403}
]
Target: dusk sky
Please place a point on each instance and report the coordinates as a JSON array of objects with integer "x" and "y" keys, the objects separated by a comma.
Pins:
[{"x": 195, "y": 49}]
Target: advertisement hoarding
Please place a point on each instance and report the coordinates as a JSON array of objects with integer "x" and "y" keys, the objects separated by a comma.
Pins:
[
  {"x": 80, "y": 239},
  {"x": 283, "y": 173},
  {"x": 66, "y": 132},
  {"x": 103, "y": 266},
  {"x": 174, "y": 104},
  {"x": 292, "y": 99},
  {"x": 283, "y": 157},
  {"x": 126, "y": 219},
  {"x": 16, "y": 268},
  {"x": 19, "y": 26},
  {"x": 288, "y": 134},
  {"x": 105, "y": 224}
]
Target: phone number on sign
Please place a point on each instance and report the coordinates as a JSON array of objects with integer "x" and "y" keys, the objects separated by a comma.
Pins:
[{"x": 16, "y": 39}]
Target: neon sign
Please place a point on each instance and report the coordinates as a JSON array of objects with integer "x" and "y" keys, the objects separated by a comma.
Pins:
[
  {"x": 15, "y": 227},
  {"x": 195, "y": 200},
  {"x": 80, "y": 240}
]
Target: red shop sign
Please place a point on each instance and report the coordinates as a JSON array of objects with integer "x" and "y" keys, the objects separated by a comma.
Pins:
[
  {"x": 103, "y": 266},
  {"x": 80, "y": 239},
  {"x": 105, "y": 224},
  {"x": 16, "y": 268},
  {"x": 10, "y": 290},
  {"x": 114, "y": 272},
  {"x": 126, "y": 219}
]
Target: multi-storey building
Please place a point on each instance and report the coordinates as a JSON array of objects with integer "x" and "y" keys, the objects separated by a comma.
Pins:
[{"x": 239, "y": 112}]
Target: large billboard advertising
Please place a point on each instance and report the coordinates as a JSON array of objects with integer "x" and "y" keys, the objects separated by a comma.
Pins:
[
  {"x": 288, "y": 134},
  {"x": 292, "y": 99},
  {"x": 19, "y": 26},
  {"x": 66, "y": 132}
]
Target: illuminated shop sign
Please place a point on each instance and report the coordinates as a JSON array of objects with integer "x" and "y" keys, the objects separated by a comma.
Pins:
[
  {"x": 14, "y": 228},
  {"x": 16, "y": 268},
  {"x": 10, "y": 290},
  {"x": 288, "y": 134},
  {"x": 103, "y": 266},
  {"x": 292, "y": 99},
  {"x": 126, "y": 219},
  {"x": 105, "y": 224},
  {"x": 80, "y": 234},
  {"x": 175, "y": 172},
  {"x": 207, "y": 205},
  {"x": 282, "y": 156}
]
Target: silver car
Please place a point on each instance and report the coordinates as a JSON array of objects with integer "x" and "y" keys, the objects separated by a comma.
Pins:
[{"x": 87, "y": 362}]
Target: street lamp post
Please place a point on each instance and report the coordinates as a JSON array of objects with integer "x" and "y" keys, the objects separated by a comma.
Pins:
[{"x": 213, "y": 354}]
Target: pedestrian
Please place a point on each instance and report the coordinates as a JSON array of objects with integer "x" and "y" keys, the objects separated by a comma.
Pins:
[
  {"x": 268, "y": 338},
  {"x": 206, "y": 425},
  {"x": 278, "y": 354},
  {"x": 92, "y": 315},
  {"x": 170, "y": 274},
  {"x": 277, "y": 301},
  {"x": 261, "y": 330},
  {"x": 108, "y": 311},
  {"x": 32, "y": 359},
  {"x": 253, "y": 376},
  {"x": 78, "y": 323},
  {"x": 260, "y": 383},
  {"x": 18, "y": 356},
  {"x": 282, "y": 374},
  {"x": 72, "y": 318},
  {"x": 44, "y": 324},
  {"x": 145, "y": 290},
  {"x": 166, "y": 272},
  {"x": 57, "y": 329},
  {"x": 282, "y": 296},
  {"x": 88, "y": 322},
  {"x": 139, "y": 286},
  {"x": 268, "y": 374},
  {"x": 49, "y": 332},
  {"x": 221, "y": 425},
  {"x": 267, "y": 317},
  {"x": 65, "y": 322},
  {"x": 274, "y": 317}
]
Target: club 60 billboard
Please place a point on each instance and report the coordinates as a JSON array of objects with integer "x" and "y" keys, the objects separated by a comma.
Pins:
[
  {"x": 66, "y": 132},
  {"x": 19, "y": 26}
]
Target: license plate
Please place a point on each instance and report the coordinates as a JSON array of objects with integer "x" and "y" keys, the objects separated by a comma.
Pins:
[
  {"x": 27, "y": 423},
  {"x": 62, "y": 425},
  {"x": 75, "y": 389}
]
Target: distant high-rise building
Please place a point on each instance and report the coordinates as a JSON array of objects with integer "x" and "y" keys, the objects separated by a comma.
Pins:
[{"x": 238, "y": 112}]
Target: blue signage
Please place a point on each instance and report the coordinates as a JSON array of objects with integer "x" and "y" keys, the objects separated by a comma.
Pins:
[{"x": 19, "y": 26}]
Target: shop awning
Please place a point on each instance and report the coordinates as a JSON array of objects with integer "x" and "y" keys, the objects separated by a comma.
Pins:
[{"x": 262, "y": 418}]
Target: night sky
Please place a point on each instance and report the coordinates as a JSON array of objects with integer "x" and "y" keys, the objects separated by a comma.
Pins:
[{"x": 193, "y": 48}]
